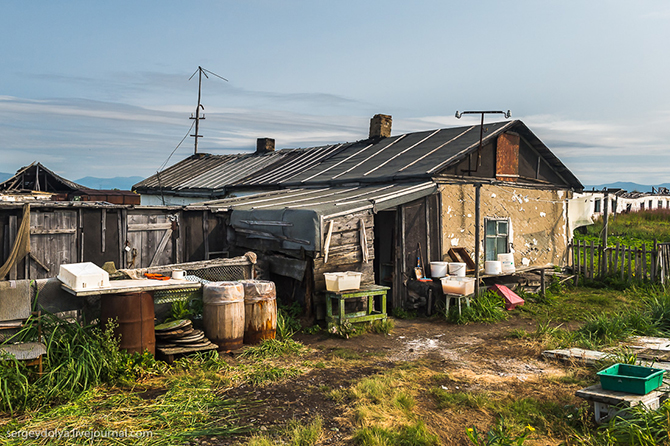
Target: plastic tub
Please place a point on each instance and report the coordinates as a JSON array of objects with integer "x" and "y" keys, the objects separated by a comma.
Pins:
[
  {"x": 438, "y": 269},
  {"x": 631, "y": 378},
  {"x": 492, "y": 267},
  {"x": 83, "y": 276},
  {"x": 507, "y": 261},
  {"x": 348, "y": 280},
  {"x": 458, "y": 285},
  {"x": 457, "y": 269}
]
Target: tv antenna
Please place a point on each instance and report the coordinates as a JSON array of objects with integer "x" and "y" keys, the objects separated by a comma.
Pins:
[
  {"x": 506, "y": 114},
  {"x": 197, "y": 116}
]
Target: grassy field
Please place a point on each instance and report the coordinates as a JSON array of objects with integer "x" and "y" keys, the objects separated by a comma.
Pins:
[{"x": 408, "y": 402}]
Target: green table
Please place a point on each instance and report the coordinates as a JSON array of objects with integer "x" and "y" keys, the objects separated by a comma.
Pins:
[{"x": 369, "y": 315}]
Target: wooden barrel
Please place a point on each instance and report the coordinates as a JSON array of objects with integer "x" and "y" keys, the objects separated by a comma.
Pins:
[
  {"x": 260, "y": 310},
  {"x": 134, "y": 316},
  {"x": 223, "y": 314}
]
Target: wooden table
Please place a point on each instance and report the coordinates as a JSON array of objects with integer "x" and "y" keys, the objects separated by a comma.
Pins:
[
  {"x": 607, "y": 403},
  {"x": 369, "y": 315},
  {"x": 134, "y": 286}
]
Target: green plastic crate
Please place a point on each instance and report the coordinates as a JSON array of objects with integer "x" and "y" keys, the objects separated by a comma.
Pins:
[{"x": 631, "y": 378}]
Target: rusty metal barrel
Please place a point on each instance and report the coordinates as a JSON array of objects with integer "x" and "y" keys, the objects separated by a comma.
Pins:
[
  {"x": 260, "y": 310},
  {"x": 134, "y": 315},
  {"x": 223, "y": 314}
]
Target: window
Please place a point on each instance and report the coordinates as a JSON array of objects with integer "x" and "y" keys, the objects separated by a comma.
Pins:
[
  {"x": 642, "y": 205},
  {"x": 660, "y": 204},
  {"x": 497, "y": 238},
  {"x": 651, "y": 203},
  {"x": 613, "y": 206},
  {"x": 596, "y": 205},
  {"x": 628, "y": 207}
]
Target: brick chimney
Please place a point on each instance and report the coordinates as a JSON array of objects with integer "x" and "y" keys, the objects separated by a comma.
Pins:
[
  {"x": 380, "y": 126},
  {"x": 265, "y": 145}
]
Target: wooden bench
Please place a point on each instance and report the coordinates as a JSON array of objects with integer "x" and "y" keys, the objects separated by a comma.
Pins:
[{"x": 608, "y": 403}]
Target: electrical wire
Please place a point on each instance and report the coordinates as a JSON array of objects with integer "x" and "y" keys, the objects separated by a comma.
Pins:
[{"x": 160, "y": 169}]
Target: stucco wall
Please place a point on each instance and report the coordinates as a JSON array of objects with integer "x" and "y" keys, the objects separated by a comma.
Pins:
[{"x": 537, "y": 221}]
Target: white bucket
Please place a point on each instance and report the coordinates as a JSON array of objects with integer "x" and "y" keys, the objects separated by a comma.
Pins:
[
  {"x": 457, "y": 269},
  {"x": 438, "y": 269},
  {"x": 507, "y": 261},
  {"x": 492, "y": 267}
]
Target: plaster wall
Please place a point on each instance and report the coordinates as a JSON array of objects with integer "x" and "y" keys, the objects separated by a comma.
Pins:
[{"x": 538, "y": 221}]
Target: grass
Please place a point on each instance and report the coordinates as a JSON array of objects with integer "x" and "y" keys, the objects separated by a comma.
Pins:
[
  {"x": 487, "y": 308},
  {"x": 295, "y": 434}
]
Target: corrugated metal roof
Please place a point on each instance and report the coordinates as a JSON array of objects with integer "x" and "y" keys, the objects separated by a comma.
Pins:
[
  {"x": 328, "y": 201},
  {"x": 293, "y": 163},
  {"x": 410, "y": 157}
]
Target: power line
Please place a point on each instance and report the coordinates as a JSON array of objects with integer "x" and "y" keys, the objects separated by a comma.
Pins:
[{"x": 175, "y": 149}]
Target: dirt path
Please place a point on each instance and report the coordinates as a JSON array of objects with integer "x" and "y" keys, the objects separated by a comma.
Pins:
[{"x": 474, "y": 357}]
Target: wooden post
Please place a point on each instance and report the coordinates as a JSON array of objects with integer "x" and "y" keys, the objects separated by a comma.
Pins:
[
  {"x": 575, "y": 260},
  {"x": 478, "y": 188},
  {"x": 591, "y": 260},
  {"x": 630, "y": 271},
  {"x": 616, "y": 258},
  {"x": 585, "y": 267},
  {"x": 603, "y": 268},
  {"x": 543, "y": 284},
  {"x": 653, "y": 256},
  {"x": 644, "y": 261},
  {"x": 80, "y": 234}
]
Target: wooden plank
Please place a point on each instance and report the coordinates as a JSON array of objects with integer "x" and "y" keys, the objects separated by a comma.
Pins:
[
  {"x": 135, "y": 286},
  {"x": 137, "y": 227},
  {"x": 13, "y": 229},
  {"x": 161, "y": 247},
  {"x": 80, "y": 235},
  {"x": 38, "y": 262},
  {"x": 48, "y": 231},
  {"x": 575, "y": 260},
  {"x": 326, "y": 244},
  {"x": 654, "y": 253},
  {"x": 350, "y": 222},
  {"x": 644, "y": 261},
  {"x": 348, "y": 237},
  {"x": 616, "y": 258},
  {"x": 205, "y": 232},
  {"x": 630, "y": 270},
  {"x": 363, "y": 241},
  {"x": 103, "y": 229},
  {"x": 592, "y": 248}
]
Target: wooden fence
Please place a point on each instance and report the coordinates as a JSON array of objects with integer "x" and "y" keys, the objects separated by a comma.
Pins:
[{"x": 593, "y": 261}]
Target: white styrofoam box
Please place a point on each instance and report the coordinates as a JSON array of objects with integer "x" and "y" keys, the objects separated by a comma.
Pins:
[
  {"x": 83, "y": 276},
  {"x": 348, "y": 280},
  {"x": 458, "y": 285}
]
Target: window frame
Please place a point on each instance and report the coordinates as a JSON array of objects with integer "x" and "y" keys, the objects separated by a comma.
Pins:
[{"x": 499, "y": 235}]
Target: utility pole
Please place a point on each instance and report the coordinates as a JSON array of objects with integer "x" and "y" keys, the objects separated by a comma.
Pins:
[{"x": 197, "y": 116}]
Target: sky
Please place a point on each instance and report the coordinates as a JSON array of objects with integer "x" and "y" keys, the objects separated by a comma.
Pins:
[{"x": 102, "y": 88}]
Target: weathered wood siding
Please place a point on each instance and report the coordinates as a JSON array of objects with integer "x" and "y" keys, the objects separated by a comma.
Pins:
[
  {"x": 345, "y": 253},
  {"x": 150, "y": 238},
  {"x": 53, "y": 241}
]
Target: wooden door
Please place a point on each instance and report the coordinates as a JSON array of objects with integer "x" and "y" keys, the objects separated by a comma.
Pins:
[
  {"x": 53, "y": 242},
  {"x": 150, "y": 238}
]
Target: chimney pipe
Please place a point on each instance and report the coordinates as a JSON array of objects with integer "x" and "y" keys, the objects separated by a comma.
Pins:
[
  {"x": 265, "y": 145},
  {"x": 380, "y": 126}
]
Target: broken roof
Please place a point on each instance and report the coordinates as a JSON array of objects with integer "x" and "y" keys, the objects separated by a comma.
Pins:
[{"x": 38, "y": 178}]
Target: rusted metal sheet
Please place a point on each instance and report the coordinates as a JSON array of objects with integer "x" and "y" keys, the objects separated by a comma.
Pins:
[{"x": 507, "y": 157}]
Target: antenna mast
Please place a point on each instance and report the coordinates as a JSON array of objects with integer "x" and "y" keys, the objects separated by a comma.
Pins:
[{"x": 197, "y": 116}]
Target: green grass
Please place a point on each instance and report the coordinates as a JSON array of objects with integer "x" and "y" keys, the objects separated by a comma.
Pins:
[
  {"x": 273, "y": 348},
  {"x": 487, "y": 308},
  {"x": 415, "y": 434}
]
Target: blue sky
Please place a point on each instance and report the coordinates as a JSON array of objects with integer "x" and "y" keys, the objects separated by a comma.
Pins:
[{"x": 102, "y": 89}]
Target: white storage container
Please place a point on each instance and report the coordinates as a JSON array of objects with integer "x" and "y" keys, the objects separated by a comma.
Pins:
[
  {"x": 458, "y": 285},
  {"x": 348, "y": 280},
  {"x": 507, "y": 261},
  {"x": 457, "y": 269},
  {"x": 492, "y": 267},
  {"x": 438, "y": 269},
  {"x": 83, "y": 276}
]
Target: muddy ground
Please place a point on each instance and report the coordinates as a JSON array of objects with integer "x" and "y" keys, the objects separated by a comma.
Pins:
[{"x": 476, "y": 357}]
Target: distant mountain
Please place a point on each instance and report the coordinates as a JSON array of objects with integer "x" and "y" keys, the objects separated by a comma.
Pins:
[
  {"x": 627, "y": 186},
  {"x": 5, "y": 176},
  {"x": 121, "y": 183}
]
